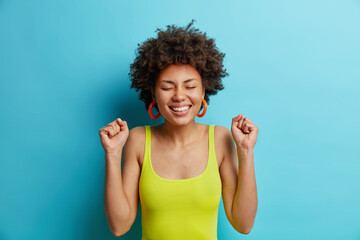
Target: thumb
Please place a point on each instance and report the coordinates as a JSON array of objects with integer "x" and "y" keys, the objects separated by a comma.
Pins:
[
  {"x": 104, "y": 133},
  {"x": 235, "y": 121},
  {"x": 123, "y": 125}
]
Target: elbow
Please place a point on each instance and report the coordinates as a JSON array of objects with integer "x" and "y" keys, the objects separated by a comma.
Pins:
[
  {"x": 118, "y": 233},
  {"x": 245, "y": 231},
  {"x": 242, "y": 228},
  {"x": 119, "y": 227}
]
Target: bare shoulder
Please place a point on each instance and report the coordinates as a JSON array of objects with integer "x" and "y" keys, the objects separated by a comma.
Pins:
[
  {"x": 223, "y": 140},
  {"x": 221, "y": 132},
  {"x": 137, "y": 134},
  {"x": 136, "y": 140},
  {"x": 137, "y": 131}
]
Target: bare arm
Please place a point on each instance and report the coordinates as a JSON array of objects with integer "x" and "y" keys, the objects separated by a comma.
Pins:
[
  {"x": 116, "y": 205},
  {"x": 121, "y": 196},
  {"x": 121, "y": 190},
  {"x": 245, "y": 201},
  {"x": 238, "y": 181}
]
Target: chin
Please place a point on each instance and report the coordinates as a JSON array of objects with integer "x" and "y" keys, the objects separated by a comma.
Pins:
[{"x": 181, "y": 122}]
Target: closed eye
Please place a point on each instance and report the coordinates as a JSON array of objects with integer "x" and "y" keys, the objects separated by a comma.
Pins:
[{"x": 165, "y": 89}]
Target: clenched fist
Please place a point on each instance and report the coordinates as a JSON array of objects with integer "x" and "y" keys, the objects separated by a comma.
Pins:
[
  {"x": 114, "y": 135},
  {"x": 244, "y": 132}
]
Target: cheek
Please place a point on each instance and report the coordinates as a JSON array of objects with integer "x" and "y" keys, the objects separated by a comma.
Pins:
[
  {"x": 162, "y": 99},
  {"x": 196, "y": 99},
  {"x": 197, "y": 95}
]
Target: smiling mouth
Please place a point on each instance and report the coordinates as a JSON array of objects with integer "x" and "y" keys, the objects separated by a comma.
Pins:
[{"x": 180, "y": 109}]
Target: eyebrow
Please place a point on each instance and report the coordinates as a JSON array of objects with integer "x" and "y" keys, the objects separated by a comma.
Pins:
[{"x": 186, "y": 81}]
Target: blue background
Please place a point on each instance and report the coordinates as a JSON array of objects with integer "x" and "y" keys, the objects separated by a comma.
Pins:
[{"x": 294, "y": 70}]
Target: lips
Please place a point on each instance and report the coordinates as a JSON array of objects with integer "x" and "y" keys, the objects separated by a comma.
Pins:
[
  {"x": 179, "y": 106},
  {"x": 180, "y": 111}
]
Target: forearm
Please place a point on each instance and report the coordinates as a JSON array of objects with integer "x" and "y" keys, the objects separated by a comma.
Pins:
[
  {"x": 245, "y": 201},
  {"x": 116, "y": 205}
]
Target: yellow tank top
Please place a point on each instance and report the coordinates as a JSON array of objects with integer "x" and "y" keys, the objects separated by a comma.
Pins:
[{"x": 180, "y": 208}]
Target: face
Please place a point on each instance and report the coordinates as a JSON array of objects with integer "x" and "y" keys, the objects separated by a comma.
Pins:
[{"x": 178, "y": 93}]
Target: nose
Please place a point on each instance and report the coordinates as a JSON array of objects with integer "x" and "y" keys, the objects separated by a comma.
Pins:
[{"x": 179, "y": 94}]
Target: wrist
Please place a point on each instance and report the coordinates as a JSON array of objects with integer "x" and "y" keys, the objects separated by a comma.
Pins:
[
  {"x": 244, "y": 149},
  {"x": 113, "y": 150},
  {"x": 114, "y": 153},
  {"x": 244, "y": 153}
]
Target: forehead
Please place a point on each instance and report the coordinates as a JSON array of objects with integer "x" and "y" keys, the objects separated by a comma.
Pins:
[{"x": 178, "y": 73}]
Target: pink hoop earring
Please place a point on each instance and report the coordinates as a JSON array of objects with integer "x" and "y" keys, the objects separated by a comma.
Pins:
[
  {"x": 205, "y": 109},
  {"x": 150, "y": 110}
]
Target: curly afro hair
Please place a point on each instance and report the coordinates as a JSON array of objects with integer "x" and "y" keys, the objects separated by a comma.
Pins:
[{"x": 177, "y": 45}]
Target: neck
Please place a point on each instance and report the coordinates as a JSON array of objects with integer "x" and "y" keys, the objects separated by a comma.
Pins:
[{"x": 179, "y": 135}]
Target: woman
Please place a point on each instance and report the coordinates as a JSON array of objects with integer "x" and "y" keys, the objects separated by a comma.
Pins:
[{"x": 179, "y": 169}]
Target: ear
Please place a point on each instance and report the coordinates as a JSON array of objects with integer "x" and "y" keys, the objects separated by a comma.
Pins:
[
  {"x": 203, "y": 93},
  {"x": 152, "y": 94}
]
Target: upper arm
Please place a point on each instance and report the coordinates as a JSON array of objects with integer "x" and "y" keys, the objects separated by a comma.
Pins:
[
  {"x": 228, "y": 169},
  {"x": 131, "y": 169}
]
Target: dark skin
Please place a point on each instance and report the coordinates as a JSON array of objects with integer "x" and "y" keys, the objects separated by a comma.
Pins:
[
  {"x": 178, "y": 85},
  {"x": 180, "y": 137}
]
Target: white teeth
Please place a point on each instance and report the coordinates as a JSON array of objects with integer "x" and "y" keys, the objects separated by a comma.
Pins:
[{"x": 181, "y": 109}]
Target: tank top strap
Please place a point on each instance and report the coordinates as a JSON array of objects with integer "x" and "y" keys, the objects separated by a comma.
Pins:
[
  {"x": 212, "y": 142},
  {"x": 147, "y": 142},
  {"x": 148, "y": 135}
]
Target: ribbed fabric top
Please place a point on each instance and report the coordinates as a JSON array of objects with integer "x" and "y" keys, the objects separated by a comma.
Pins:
[{"x": 180, "y": 208}]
